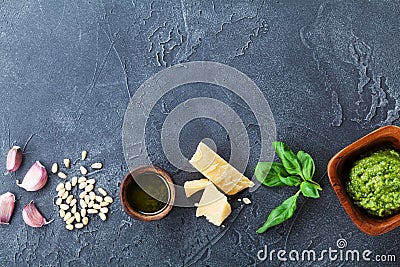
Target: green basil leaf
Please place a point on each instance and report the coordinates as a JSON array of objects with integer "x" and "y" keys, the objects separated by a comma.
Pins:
[
  {"x": 269, "y": 173},
  {"x": 309, "y": 189},
  {"x": 289, "y": 159},
  {"x": 280, "y": 214},
  {"x": 317, "y": 185},
  {"x": 291, "y": 180},
  {"x": 307, "y": 165}
]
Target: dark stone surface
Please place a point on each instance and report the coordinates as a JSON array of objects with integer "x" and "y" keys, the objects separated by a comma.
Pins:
[{"x": 329, "y": 71}]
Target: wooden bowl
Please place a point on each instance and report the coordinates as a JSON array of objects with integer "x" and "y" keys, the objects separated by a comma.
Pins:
[
  {"x": 338, "y": 171},
  {"x": 128, "y": 179}
]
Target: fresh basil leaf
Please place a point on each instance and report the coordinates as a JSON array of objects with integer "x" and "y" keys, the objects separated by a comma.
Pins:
[
  {"x": 280, "y": 214},
  {"x": 317, "y": 185},
  {"x": 289, "y": 159},
  {"x": 291, "y": 180},
  {"x": 269, "y": 173},
  {"x": 309, "y": 189},
  {"x": 307, "y": 165}
]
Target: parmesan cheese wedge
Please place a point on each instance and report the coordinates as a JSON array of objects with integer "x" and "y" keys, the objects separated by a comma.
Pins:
[
  {"x": 218, "y": 171},
  {"x": 213, "y": 205},
  {"x": 194, "y": 186}
]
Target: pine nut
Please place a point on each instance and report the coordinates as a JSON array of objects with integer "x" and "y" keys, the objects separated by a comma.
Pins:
[
  {"x": 62, "y": 175},
  {"x": 82, "y": 185},
  {"x": 54, "y": 168},
  {"x": 82, "y": 194},
  {"x": 59, "y": 201},
  {"x": 102, "y": 191},
  {"x": 62, "y": 213},
  {"x": 108, "y": 199},
  {"x": 68, "y": 186},
  {"x": 61, "y": 192},
  {"x": 91, "y": 181},
  {"x": 59, "y": 187},
  {"x": 90, "y": 204},
  {"x": 83, "y": 213},
  {"x": 69, "y": 227},
  {"x": 73, "y": 210},
  {"x": 97, "y": 165},
  {"x": 87, "y": 199},
  {"x": 82, "y": 179},
  {"x": 92, "y": 211},
  {"x": 67, "y": 216},
  {"x": 83, "y": 170},
  {"x": 96, "y": 206},
  {"x": 104, "y": 204},
  {"x": 104, "y": 210},
  {"x": 79, "y": 225},
  {"x": 103, "y": 216},
  {"x": 84, "y": 154},
  {"x": 73, "y": 202},
  {"x": 64, "y": 206},
  {"x": 77, "y": 217},
  {"x": 85, "y": 220},
  {"x": 69, "y": 199},
  {"x": 65, "y": 195},
  {"x": 92, "y": 195},
  {"x": 74, "y": 181},
  {"x": 99, "y": 199},
  {"x": 89, "y": 188},
  {"x": 83, "y": 204},
  {"x": 70, "y": 220},
  {"x": 67, "y": 163}
]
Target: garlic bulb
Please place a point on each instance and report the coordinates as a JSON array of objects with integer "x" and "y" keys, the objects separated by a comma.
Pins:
[
  {"x": 14, "y": 159},
  {"x": 32, "y": 216},
  {"x": 35, "y": 178},
  {"x": 7, "y": 201}
]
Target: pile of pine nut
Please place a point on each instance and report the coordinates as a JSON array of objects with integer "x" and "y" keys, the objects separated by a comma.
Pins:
[{"x": 75, "y": 214}]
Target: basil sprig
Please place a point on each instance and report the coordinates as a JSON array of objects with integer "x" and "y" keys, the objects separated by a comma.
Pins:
[{"x": 295, "y": 170}]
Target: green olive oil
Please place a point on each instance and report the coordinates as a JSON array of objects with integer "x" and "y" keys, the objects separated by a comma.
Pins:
[{"x": 148, "y": 193}]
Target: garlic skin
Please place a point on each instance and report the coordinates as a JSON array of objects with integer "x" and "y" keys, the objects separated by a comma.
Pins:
[
  {"x": 14, "y": 159},
  {"x": 32, "y": 216},
  {"x": 7, "y": 201},
  {"x": 35, "y": 178}
]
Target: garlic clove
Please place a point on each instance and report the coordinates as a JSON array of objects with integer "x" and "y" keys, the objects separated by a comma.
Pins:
[
  {"x": 35, "y": 178},
  {"x": 7, "y": 201},
  {"x": 14, "y": 159},
  {"x": 32, "y": 216}
]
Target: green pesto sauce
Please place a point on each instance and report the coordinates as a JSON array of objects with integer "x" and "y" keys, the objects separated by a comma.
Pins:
[{"x": 374, "y": 182}]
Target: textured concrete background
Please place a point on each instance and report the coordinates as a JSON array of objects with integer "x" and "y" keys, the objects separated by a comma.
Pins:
[{"x": 329, "y": 70}]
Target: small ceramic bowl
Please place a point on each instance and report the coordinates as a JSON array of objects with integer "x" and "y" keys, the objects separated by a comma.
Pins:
[
  {"x": 338, "y": 171},
  {"x": 128, "y": 179}
]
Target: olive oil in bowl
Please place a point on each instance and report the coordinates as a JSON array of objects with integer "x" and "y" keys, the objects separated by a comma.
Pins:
[{"x": 148, "y": 193}]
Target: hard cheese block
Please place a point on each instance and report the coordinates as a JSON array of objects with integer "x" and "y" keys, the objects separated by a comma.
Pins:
[
  {"x": 217, "y": 170},
  {"x": 194, "y": 186},
  {"x": 213, "y": 205}
]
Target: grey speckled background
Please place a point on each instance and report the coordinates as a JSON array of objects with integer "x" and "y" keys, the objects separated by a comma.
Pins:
[{"x": 329, "y": 70}]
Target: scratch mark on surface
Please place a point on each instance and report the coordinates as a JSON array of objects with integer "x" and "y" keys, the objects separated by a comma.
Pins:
[
  {"x": 96, "y": 75},
  {"x": 123, "y": 66},
  {"x": 29, "y": 139},
  {"x": 337, "y": 110},
  {"x": 332, "y": 39},
  {"x": 184, "y": 16},
  {"x": 41, "y": 8},
  {"x": 241, "y": 248},
  {"x": 212, "y": 241},
  {"x": 62, "y": 17}
]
